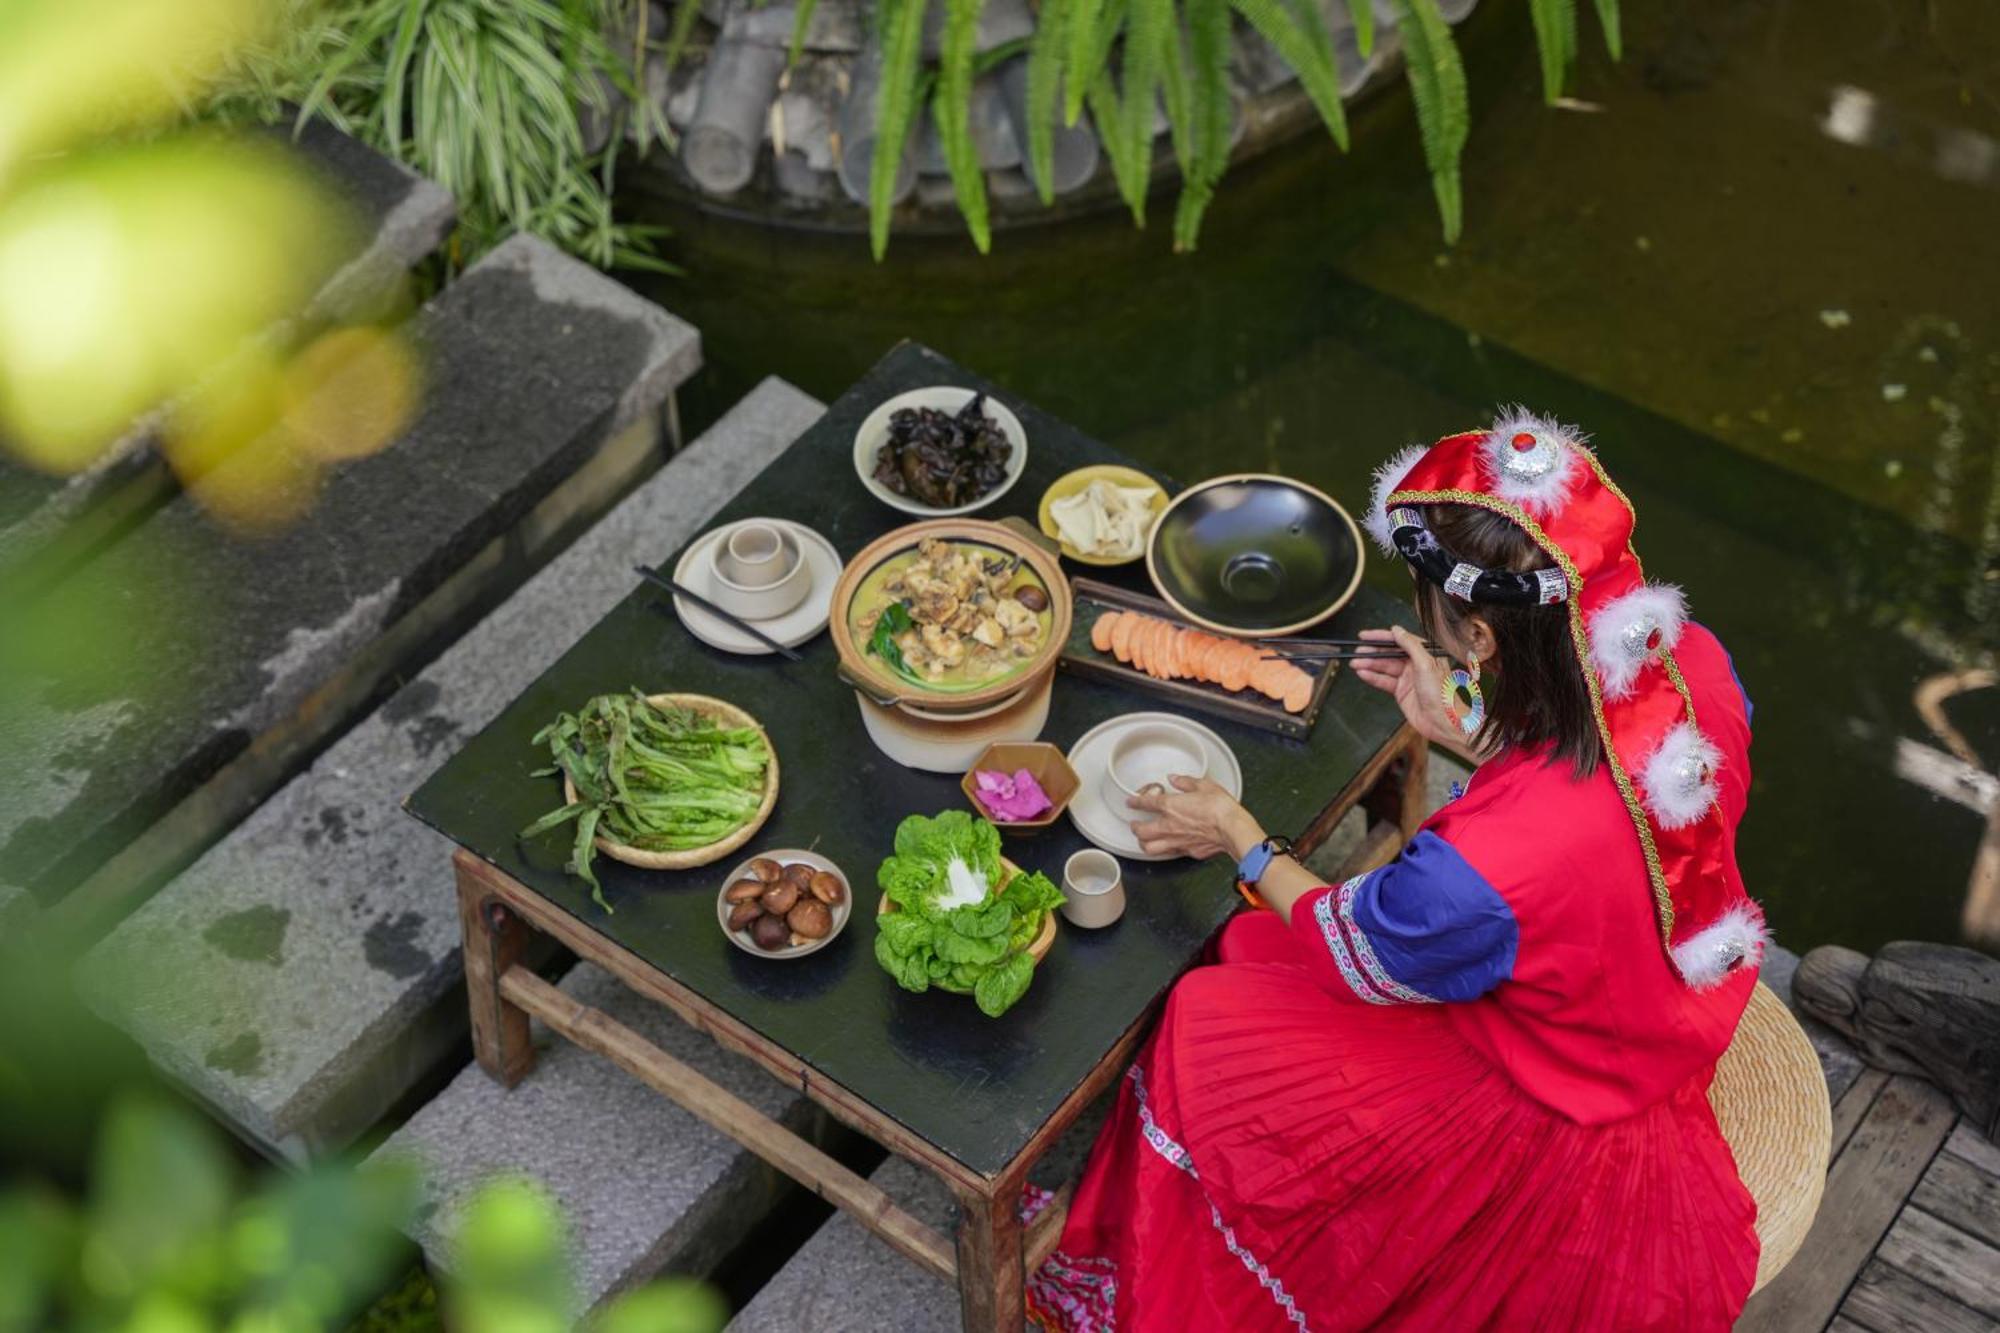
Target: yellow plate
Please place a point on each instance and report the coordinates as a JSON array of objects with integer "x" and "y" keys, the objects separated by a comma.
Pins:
[{"x": 1072, "y": 482}]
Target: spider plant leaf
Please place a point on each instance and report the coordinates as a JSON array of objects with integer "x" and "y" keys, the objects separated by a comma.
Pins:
[
  {"x": 1045, "y": 70},
  {"x": 802, "y": 18},
  {"x": 1362, "y": 13},
  {"x": 1437, "y": 86},
  {"x": 677, "y": 35},
  {"x": 895, "y": 108},
  {"x": 1274, "y": 21},
  {"x": 1607, "y": 19},
  {"x": 951, "y": 108},
  {"x": 1083, "y": 58},
  {"x": 1555, "y": 39}
]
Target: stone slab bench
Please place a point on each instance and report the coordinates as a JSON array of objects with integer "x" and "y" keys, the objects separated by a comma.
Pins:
[
  {"x": 303, "y": 975},
  {"x": 245, "y": 653},
  {"x": 646, "y": 1187},
  {"x": 47, "y": 523}
]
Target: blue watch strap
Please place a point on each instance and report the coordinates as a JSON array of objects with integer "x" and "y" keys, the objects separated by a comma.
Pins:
[{"x": 1254, "y": 863}]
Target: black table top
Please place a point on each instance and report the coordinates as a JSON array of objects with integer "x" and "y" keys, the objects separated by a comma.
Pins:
[{"x": 977, "y": 1088}]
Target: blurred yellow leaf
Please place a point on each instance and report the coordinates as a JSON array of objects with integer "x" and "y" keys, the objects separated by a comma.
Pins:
[
  {"x": 350, "y": 392},
  {"x": 71, "y": 69}
]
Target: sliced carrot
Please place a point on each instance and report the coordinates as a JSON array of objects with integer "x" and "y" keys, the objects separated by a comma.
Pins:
[
  {"x": 1121, "y": 636},
  {"x": 1100, "y": 630}
]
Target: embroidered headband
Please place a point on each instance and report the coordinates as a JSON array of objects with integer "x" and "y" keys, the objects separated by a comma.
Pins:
[{"x": 1542, "y": 476}]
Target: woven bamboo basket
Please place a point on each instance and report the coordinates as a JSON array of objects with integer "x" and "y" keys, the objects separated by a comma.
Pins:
[
  {"x": 729, "y": 715},
  {"x": 1769, "y": 1097}
]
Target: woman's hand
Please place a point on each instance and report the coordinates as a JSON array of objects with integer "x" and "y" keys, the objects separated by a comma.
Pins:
[
  {"x": 1417, "y": 682},
  {"x": 1198, "y": 818}
]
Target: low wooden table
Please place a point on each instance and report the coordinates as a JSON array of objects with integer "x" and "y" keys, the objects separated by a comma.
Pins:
[{"x": 973, "y": 1100}]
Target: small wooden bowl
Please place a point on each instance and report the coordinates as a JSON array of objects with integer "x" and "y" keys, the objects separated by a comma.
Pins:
[
  {"x": 1042, "y": 760},
  {"x": 1038, "y": 948},
  {"x": 729, "y": 715}
]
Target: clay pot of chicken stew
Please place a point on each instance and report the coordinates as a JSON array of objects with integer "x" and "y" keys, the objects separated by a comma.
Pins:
[{"x": 977, "y": 614}]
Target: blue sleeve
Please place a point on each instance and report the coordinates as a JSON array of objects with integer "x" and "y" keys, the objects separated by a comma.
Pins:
[{"x": 1425, "y": 928}]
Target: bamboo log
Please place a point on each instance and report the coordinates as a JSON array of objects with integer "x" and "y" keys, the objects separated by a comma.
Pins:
[
  {"x": 596, "y": 1030},
  {"x": 857, "y": 134},
  {"x": 721, "y": 146},
  {"x": 1074, "y": 159}
]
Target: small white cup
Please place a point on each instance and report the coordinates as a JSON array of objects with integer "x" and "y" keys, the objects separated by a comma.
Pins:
[
  {"x": 755, "y": 555},
  {"x": 759, "y": 551},
  {"x": 1143, "y": 758},
  {"x": 1093, "y": 889}
]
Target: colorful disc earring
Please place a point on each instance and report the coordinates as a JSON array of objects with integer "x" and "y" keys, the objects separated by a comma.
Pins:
[{"x": 1463, "y": 702}]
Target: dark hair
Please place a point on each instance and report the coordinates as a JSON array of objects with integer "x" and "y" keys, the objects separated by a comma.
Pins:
[{"x": 1535, "y": 693}]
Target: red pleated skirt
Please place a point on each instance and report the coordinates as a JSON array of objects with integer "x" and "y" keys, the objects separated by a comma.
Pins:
[{"x": 1281, "y": 1159}]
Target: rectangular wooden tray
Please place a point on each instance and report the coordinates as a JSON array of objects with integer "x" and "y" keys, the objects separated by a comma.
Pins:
[{"x": 1093, "y": 599}]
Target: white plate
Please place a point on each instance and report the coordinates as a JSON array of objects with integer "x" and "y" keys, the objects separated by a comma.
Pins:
[
  {"x": 696, "y": 572},
  {"x": 1087, "y": 809},
  {"x": 874, "y": 433},
  {"x": 784, "y": 857}
]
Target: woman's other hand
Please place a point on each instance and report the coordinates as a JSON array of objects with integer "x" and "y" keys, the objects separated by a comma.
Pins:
[
  {"x": 1198, "y": 818},
  {"x": 1416, "y": 680}
]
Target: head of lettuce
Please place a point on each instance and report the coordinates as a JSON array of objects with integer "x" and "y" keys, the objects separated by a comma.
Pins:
[{"x": 950, "y": 929}]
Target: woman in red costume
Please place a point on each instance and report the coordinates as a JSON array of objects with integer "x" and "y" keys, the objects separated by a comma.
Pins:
[{"x": 1466, "y": 1090}]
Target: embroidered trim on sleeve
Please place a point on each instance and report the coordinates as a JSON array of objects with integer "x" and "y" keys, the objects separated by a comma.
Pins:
[{"x": 1353, "y": 955}]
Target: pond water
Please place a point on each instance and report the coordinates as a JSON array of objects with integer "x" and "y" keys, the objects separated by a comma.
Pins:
[{"x": 1759, "y": 262}]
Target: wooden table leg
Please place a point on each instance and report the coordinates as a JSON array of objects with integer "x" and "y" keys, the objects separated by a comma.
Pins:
[
  {"x": 495, "y": 939},
  {"x": 991, "y": 1277},
  {"x": 1398, "y": 795}
]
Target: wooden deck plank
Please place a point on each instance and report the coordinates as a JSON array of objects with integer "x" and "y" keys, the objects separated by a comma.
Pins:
[
  {"x": 1968, "y": 1143},
  {"x": 1956, "y": 1191},
  {"x": 1882, "y": 1162},
  {"x": 1888, "y": 1300},
  {"x": 1938, "y": 1254},
  {"x": 1852, "y": 1106}
]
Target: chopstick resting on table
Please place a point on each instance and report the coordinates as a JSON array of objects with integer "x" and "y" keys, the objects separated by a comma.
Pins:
[{"x": 654, "y": 576}]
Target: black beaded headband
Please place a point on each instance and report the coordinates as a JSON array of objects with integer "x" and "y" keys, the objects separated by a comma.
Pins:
[{"x": 1467, "y": 581}]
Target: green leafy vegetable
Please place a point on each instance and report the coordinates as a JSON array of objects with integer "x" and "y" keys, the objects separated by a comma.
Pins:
[
  {"x": 659, "y": 779},
  {"x": 894, "y": 620},
  {"x": 949, "y": 928}
]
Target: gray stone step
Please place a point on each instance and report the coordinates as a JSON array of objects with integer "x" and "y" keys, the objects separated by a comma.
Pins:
[
  {"x": 304, "y": 973},
  {"x": 257, "y": 649},
  {"x": 400, "y": 217},
  {"x": 646, "y": 1186},
  {"x": 845, "y": 1278}
]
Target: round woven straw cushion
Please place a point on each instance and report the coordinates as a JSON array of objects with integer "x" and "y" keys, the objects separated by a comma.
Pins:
[
  {"x": 726, "y": 714},
  {"x": 1770, "y": 1101}
]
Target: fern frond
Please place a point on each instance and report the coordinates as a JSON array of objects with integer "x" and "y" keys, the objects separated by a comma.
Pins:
[
  {"x": 951, "y": 108},
  {"x": 1108, "y": 114},
  {"x": 1363, "y": 14},
  {"x": 1555, "y": 39},
  {"x": 1045, "y": 57},
  {"x": 1208, "y": 112},
  {"x": 802, "y": 18},
  {"x": 1437, "y": 86},
  {"x": 1607, "y": 19},
  {"x": 1081, "y": 61},
  {"x": 1148, "y": 30},
  {"x": 1314, "y": 66},
  {"x": 896, "y": 103}
]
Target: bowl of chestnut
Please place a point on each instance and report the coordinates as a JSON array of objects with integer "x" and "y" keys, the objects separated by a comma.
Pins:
[{"x": 784, "y": 904}]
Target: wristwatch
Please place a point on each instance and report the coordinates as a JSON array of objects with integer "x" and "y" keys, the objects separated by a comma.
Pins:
[{"x": 1258, "y": 859}]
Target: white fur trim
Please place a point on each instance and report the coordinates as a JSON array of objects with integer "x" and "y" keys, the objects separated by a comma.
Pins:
[
  {"x": 1541, "y": 492},
  {"x": 1679, "y": 780},
  {"x": 1387, "y": 478},
  {"x": 1619, "y": 629},
  {"x": 1734, "y": 939}
]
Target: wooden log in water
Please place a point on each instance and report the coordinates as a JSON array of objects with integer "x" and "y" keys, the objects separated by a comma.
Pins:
[
  {"x": 721, "y": 146},
  {"x": 1932, "y": 1009}
]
